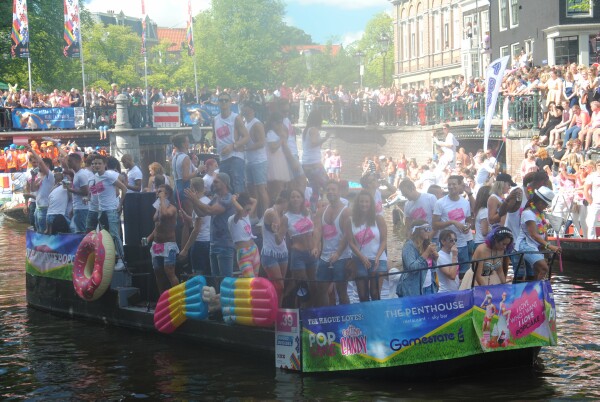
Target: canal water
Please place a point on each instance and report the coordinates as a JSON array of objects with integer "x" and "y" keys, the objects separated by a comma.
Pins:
[{"x": 45, "y": 357}]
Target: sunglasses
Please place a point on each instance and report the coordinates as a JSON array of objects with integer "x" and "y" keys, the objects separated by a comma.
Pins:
[{"x": 427, "y": 229}]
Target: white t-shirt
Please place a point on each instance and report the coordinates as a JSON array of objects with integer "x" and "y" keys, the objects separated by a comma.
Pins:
[
  {"x": 133, "y": 174},
  {"x": 446, "y": 284},
  {"x": 459, "y": 211},
  {"x": 481, "y": 215},
  {"x": 421, "y": 208},
  {"x": 103, "y": 192},
  {"x": 450, "y": 153},
  {"x": 44, "y": 189},
  {"x": 58, "y": 201},
  {"x": 81, "y": 178},
  {"x": 208, "y": 181},
  {"x": 204, "y": 233},
  {"x": 594, "y": 180},
  {"x": 526, "y": 216}
]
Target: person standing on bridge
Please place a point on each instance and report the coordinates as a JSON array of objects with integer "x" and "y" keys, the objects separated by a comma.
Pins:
[{"x": 448, "y": 147}]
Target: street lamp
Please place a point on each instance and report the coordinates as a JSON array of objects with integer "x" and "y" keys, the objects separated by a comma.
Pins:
[
  {"x": 384, "y": 42},
  {"x": 361, "y": 69}
]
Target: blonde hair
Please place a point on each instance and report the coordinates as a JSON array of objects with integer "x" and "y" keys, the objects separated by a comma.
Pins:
[{"x": 157, "y": 167}]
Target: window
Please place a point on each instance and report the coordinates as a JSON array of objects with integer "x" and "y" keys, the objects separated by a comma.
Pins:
[
  {"x": 566, "y": 50},
  {"x": 515, "y": 53},
  {"x": 413, "y": 39},
  {"x": 437, "y": 31},
  {"x": 446, "y": 35},
  {"x": 468, "y": 27},
  {"x": 456, "y": 29},
  {"x": 514, "y": 13},
  {"x": 503, "y": 14},
  {"x": 504, "y": 51},
  {"x": 421, "y": 37},
  {"x": 579, "y": 8},
  {"x": 484, "y": 23},
  {"x": 405, "y": 41}
]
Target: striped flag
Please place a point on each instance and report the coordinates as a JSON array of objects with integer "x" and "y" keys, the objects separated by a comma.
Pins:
[
  {"x": 20, "y": 30},
  {"x": 72, "y": 34},
  {"x": 166, "y": 115},
  {"x": 143, "y": 50},
  {"x": 190, "y": 30}
]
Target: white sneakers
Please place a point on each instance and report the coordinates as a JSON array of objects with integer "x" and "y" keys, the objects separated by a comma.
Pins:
[{"x": 119, "y": 266}]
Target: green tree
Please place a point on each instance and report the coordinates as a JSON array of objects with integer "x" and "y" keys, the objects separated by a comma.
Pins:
[{"x": 369, "y": 44}]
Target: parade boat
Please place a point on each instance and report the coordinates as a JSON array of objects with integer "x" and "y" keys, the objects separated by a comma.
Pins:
[
  {"x": 579, "y": 249},
  {"x": 442, "y": 335}
]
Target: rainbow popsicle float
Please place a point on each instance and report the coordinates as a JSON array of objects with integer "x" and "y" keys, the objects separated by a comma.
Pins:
[
  {"x": 249, "y": 301},
  {"x": 179, "y": 303}
]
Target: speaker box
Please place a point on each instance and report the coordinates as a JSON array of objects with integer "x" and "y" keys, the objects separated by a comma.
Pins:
[{"x": 138, "y": 213}]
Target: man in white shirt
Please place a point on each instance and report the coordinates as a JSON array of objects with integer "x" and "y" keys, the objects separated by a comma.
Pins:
[
  {"x": 59, "y": 200},
  {"x": 454, "y": 212},
  {"x": 79, "y": 191},
  {"x": 419, "y": 205},
  {"x": 134, "y": 174},
  {"x": 448, "y": 146}
]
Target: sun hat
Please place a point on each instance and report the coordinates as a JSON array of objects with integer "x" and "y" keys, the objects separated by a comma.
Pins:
[{"x": 545, "y": 194}]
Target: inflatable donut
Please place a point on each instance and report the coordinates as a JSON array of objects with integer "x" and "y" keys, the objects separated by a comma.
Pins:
[
  {"x": 249, "y": 301},
  {"x": 179, "y": 303},
  {"x": 94, "y": 264}
]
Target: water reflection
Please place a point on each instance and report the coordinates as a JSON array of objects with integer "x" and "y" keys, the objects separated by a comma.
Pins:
[{"x": 43, "y": 356}]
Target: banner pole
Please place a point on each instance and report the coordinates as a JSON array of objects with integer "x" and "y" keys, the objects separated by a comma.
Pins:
[
  {"x": 196, "y": 80},
  {"x": 29, "y": 71},
  {"x": 82, "y": 71},
  {"x": 146, "y": 85}
]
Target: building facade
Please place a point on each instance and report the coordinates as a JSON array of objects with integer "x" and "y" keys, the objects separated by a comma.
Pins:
[
  {"x": 476, "y": 37},
  {"x": 428, "y": 38},
  {"x": 547, "y": 32}
]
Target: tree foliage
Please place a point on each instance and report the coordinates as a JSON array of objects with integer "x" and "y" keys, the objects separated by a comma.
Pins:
[{"x": 369, "y": 44}]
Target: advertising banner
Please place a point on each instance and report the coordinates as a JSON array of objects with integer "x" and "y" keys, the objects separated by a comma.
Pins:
[
  {"x": 287, "y": 340},
  {"x": 427, "y": 328},
  {"x": 45, "y": 118},
  {"x": 203, "y": 114},
  {"x": 51, "y": 256}
]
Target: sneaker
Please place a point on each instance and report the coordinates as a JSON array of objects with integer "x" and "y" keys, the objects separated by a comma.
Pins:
[{"x": 119, "y": 266}]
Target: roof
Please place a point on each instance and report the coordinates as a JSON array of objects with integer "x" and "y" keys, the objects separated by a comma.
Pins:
[
  {"x": 174, "y": 36},
  {"x": 308, "y": 49}
]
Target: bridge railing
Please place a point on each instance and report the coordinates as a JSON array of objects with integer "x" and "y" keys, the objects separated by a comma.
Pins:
[{"x": 524, "y": 112}]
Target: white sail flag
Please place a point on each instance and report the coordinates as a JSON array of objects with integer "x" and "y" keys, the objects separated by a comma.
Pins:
[{"x": 493, "y": 78}]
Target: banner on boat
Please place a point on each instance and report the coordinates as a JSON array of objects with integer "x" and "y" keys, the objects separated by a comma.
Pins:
[
  {"x": 51, "y": 256},
  {"x": 203, "y": 114},
  {"x": 11, "y": 184},
  {"x": 421, "y": 329},
  {"x": 46, "y": 118}
]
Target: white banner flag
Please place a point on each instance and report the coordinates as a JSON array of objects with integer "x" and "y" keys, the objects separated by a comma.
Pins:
[{"x": 493, "y": 78}]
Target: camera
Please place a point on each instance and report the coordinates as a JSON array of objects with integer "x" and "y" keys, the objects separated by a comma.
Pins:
[{"x": 35, "y": 171}]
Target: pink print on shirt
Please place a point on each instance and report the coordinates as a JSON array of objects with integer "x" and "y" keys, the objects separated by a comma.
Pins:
[
  {"x": 418, "y": 213},
  {"x": 364, "y": 236},
  {"x": 248, "y": 229},
  {"x": 97, "y": 188},
  {"x": 223, "y": 132},
  {"x": 303, "y": 225},
  {"x": 457, "y": 214},
  {"x": 329, "y": 231}
]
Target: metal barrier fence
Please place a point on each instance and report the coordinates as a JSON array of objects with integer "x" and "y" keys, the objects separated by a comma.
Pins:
[{"x": 524, "y": 112}]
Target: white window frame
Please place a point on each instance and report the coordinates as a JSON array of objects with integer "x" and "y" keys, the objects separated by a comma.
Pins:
[
  {"x": 405, "y": 50},
  {"x": 421, "y": 26},
  {"x": 504, "y": 51},
  {"x": 437, "y": 32},
  {"x": 484, "y": 23},
  {"x": 512, "y": 3},
  {"x": 446, "y": 30},
  {"x": 503, "y": 27},
  {"x": 457, "y": 29},
  {"x": 515, "y": 46}
]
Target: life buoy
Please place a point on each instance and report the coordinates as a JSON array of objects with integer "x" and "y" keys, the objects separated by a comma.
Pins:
[
  {"x": 94, "y": 264},
  {"x": 249, "y": 301}
]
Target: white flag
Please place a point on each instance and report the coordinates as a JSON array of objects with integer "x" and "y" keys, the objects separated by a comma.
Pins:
[{"x": 493, "y": 78}]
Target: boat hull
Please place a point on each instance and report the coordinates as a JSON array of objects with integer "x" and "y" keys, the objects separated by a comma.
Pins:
[
  {"x": 58, "y": 297},
  {"x": 579, "y": 250}
]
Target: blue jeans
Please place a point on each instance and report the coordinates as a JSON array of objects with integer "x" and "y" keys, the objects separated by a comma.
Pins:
[
  {"x": 464, "y": 256},
  {"x": 572, "y": 133},
  {"x": 40, "y": 219},
  {"x": 221, "y": 260},
  {"x": 113, "y": 218},
  {"x": 80, "y": 219},
  {"x": 235, "y": 168},
  {"x": 200, "y": 257},
  {"x": 32, "y": 214}
]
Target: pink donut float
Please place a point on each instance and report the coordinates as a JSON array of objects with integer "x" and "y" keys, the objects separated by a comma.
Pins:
[{"x": 94, "y": 265}]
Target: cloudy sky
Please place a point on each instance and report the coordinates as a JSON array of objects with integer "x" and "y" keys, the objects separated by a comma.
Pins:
[{"x": 340, "y": 20}]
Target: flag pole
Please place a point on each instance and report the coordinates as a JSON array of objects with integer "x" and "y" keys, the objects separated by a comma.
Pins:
[
  {"x": 29, "y": 71},
  {"x": 82, "y": 69},
  {"x": 191, "y": 50}
]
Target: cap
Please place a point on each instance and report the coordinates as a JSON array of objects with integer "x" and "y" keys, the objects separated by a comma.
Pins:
[
  {"x": 13, "y": 146},
  {"x": 72, "y": 89},
  {"x": 506, "y": 178},
  {"x": 381, "y": 157},
  {"x": 545, "y": 194}
]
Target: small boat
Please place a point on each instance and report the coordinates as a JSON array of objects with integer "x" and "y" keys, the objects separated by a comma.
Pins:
[
  {"x": 441, "y": 335},
  {"x": 579, "y": 250},
  {"x": 15, "y": 212}
]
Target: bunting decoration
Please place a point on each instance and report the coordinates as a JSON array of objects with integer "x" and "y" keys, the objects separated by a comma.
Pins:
[
  {"x": 190, "y": 30},
  {"x": 72, "y": 34},
  {"x": 20, "y": 30},
  {"x": 143, "y": 50}
]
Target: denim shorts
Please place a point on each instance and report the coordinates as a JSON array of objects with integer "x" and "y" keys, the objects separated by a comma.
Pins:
[
  {"x": 180, "y": 186},
  {"x": 363, "y": 272},
  {"x": 268, "y": 261},
  {"x": 301, "y": 260},
  {"x": 256, "y": 173},
  {"x": 159, "y": 262},
  {"x": 531, "y": 258},
  {"x": 336, "y": 272}
]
